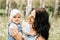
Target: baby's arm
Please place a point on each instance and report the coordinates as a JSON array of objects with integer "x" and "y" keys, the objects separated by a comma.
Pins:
[
  {"x": 28, "y": 33},
  {"x": 26, "y": 29}
]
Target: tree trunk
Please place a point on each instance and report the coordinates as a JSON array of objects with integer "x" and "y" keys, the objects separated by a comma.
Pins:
[
  {"x": 28, "y": 7},
  {"x": 11, "y": 6},
  {"x": 42, "y": 3},
  {"x": 7, "y": 7},
  {"x": 56, "y": 8}
]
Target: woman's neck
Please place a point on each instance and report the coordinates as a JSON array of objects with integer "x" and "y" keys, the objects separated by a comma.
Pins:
[{"x": 32, "y": 30}]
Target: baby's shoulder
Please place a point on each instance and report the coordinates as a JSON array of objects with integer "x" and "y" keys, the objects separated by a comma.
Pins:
[{"x": 12, "y": 25}]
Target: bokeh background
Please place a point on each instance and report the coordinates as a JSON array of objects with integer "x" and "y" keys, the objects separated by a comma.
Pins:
[{"x": 25, "y": 6}]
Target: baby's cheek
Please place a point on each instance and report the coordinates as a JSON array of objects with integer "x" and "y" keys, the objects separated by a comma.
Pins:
[{"x": 20, "y": 20}]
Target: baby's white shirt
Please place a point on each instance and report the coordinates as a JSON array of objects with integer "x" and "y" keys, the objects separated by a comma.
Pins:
[{"x": 12, "y": 25}]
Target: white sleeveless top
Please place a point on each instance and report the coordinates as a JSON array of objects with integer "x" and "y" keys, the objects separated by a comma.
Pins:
[{"x": 27, "y": 29}]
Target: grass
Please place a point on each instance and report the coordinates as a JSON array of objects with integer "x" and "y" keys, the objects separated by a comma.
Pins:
[
  {"x": 3, "y": 27},
  {"x": 54, "y": 30}
]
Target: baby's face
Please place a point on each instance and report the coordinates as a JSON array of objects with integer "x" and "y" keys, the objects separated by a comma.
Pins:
[{"x": 17, "y": 18}]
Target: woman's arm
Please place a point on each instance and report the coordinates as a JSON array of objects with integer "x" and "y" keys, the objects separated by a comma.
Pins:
[{"x": 17, "y": 35}]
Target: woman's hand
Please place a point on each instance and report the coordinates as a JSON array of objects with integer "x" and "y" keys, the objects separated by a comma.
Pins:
[
  {"x": 13, "y": 31},
  {"x": 17, "y": 35}
]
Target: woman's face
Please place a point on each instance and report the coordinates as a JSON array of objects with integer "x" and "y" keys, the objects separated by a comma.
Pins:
[
  {"x": 32, "y": 17},
  {"x": 17, "y": 18}
]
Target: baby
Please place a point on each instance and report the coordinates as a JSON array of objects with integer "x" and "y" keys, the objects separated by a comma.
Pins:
[{"x": 14, "y": 26}]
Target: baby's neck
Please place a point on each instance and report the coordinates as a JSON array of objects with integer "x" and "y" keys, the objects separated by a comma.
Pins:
[{"x": 15, "y": 23}]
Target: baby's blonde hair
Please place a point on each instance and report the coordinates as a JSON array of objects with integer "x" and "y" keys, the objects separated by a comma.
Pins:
[{"x": 13, "y": 13}]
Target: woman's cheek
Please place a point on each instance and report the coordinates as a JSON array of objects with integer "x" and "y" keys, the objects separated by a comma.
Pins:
[
  {"x": 32, "y": 20},
  {"x": 29, "y": 19}
]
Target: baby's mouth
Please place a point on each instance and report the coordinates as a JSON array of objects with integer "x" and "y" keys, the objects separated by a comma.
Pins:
[{"x": 17, "y": 20}]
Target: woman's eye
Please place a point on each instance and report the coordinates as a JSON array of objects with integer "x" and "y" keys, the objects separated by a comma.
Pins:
[{"x": 31, "y": 16}]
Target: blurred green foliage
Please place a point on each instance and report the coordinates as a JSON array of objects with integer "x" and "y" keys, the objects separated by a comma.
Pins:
[
  {"x": 2, "y": 4},
  {"x": 49, "y": 5}
]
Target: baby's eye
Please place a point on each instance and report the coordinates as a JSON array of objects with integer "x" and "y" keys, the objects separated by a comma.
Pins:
[
  {"x": 14, "y": 16},
  {"x": 31, "y": 16},
  {"x": 18, "y": 17}
]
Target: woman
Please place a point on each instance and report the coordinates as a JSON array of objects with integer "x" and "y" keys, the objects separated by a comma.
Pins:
[
  {"x": 15, "y": 22},
  {"x": 38, "y": 25},
  {"x": 41, "y": 23}
]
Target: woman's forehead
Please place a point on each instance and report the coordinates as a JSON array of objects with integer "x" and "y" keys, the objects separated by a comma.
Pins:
[{"x": 33, "y": 13}]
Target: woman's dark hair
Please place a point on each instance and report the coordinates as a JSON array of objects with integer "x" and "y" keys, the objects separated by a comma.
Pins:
[
  {"x": 41, "y": 23},
  {"x": 31, "y": 11}
]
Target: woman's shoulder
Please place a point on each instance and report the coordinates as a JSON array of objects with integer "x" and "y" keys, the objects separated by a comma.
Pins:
[
  {"x": 12, "y": 25},
  {"x": 40, "y": 38}
]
